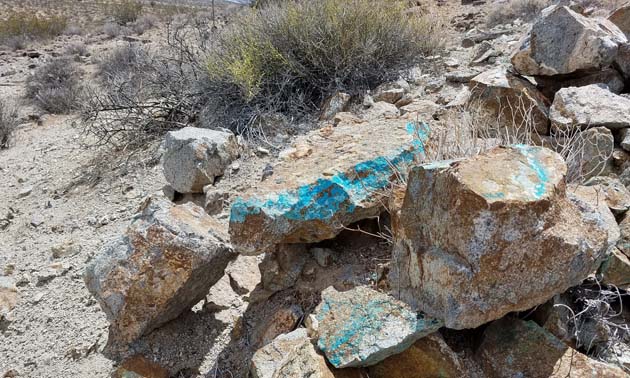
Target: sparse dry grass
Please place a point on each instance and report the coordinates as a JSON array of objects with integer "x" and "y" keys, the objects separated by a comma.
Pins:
[
  {"x": 125, "y": 11},
  {"x": 525, "y": 10},
  {"x": 19, "y": 28},
  {"x": 8, "y": 123}
]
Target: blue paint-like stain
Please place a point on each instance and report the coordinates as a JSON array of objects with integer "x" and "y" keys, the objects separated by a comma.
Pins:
[
  {"x": 494, "y": 196},
  {"x": 339, "y": 194},
  {"x": 537, "y": 167},
  {"x": 358, "y": 321}
]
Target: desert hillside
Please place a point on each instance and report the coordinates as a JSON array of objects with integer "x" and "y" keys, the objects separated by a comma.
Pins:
[{"x": 314, "y": 188}]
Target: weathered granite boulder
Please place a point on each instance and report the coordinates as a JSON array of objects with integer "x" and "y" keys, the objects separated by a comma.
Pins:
[
  {"x": 478, "y": 238},
  {"x": 166, "y": 262},
  {"x": 513, "y": 99},
  {"x": 621, "y": 18},
  {"x": 362, "y": 327},
  {"x": 289, "y": 355},
  {"x": 589, "y": 106},
  {"x": 517, "y": 348},
  {"x": 563, "y": 41},
  {"x": 429, "y": 357},
  {"x": 194, "y": 157},
  {"x": 342, "y": 181}
]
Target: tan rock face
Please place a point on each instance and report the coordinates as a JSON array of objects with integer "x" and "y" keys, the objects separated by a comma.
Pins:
[
  {"x": 478, "y": 238},
  {"x": 621, "y": 18},
  {"x": 166, "y": 262},
  {"x": 516, "y": 348},
  {"x": 429, "y": 357},
  {"x": 563, "y": 41},
  {"x": 515, "y": 100}
]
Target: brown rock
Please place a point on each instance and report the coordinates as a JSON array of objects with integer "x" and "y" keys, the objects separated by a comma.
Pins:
[
  {"x": 517, "y": 348},
  {"x": 621, "y": 18},
  {"x": 429, "y": 357},
  {"x": 616, "y": 270},
  {"x": 482, "y": 237},
  {"x": 140, "y": 367}
]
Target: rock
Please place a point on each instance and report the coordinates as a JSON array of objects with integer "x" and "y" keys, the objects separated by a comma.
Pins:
[
  {"x": 140, "y": 367},
  {"x": 244, "y": 274},
  {"x": 589, "y": 106},
  {"x": 592, "y": 156},
  {"x": 478, "y": 238},
  {"x": 556, "y": 316},
  {"x": 622, "y": 63},
  {"x": 282, "y": 320},
  {"x": 282, "y": 268},
  {"x": 391, "y": 92},
  {"x": 289, "y": 355},
  {"x": 615, "y": 194},
  {"x": 616, "y": 270},
  {"x": 8, "y": 297},
  {"x": 335, "y": 104},
  {"x": 563, "y": 41},
  {"x": 216, "y": 201},
  {"x": 381, "y": 109},
  {"x": 460, "y": 100},
  {"x": 429, "y": 357},
  {"x": 514, "y": 100},
  {"x": 194, "y": 157},
  {"x": 550, "y": 85},
  {"x": 517, "y": 348},
  {"x": 313, "y": 198},
  {"x": 164, "y": 264},
  {"x": 421, "y": 108},
  {"x": 461, "y": 76},
  {"x": 323, "y": 256},
  {"x": 25, "y": 192},
  {"x": 595, "y": 196},
  {"x": 65, "y": 249},
  {"x": 621, "y": 18},
  {"x": 362, "y": 327},
  {"x": 624, "y": 134},
  {"x": 483, "y": 52}
]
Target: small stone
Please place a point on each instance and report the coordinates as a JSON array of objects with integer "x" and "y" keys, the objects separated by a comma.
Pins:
[
  {"x": 282, "y": 320},
  {"x": 323, "y": 256},
  {"x": 362, "y": 327},
  {"x": 8, "y": 296},
  {"x": 616, "y": 195},
  {"x": 461, "y": 76},
  {"x": 140, "y": 367},
  {"x": 36, "y": 221},
  {"x": 281, "y": 268},
  {"x": 262, "y": 151},
  {"x": 25, "y": 192},
  {"x": 335, "y": 104},
  {"x": 65, "y": 249}
]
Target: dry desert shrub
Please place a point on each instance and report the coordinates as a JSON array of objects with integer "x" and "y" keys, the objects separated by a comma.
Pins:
[
  {"x": 289, "y": 56},
  {"x": 19, "y": 28},
  {"x": 55, "y": 86},
  {"x": 125, "y": 11},
  {"x": 525, "y": 10},
  {"x": 8, "y": 123}
]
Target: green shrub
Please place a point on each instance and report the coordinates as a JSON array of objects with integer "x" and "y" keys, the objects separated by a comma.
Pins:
[
  {"x": 55, "y": 86},
  {"x": 289, "y": 56},
  {"x": 22, "y": 26},
  {"x": 126, "y": 11}
]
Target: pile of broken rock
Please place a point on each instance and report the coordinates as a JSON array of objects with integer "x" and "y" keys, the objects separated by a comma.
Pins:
[{"x": 475, "y": 241}]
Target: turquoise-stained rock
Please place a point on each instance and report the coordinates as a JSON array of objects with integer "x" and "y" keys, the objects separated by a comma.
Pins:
[
  {"x": 343, "y": 178},
  {"x": 481, "y": 237},
  {"x": 362, "y": 327}
]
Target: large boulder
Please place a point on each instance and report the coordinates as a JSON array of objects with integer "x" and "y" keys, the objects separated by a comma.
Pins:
[
  {"x": 589, "y": 106},
  {"x": 429, "y": 357},
  {"x": 621, "y": 18},
  {"x": 513, "y": 100},
  {"x": 164, "y": 264},
  {"x": 478, "y": 238},
  {"x": 343, "y": 180},
  {"x": 563, "y": 41},
  {"x": 361, "y": 327},
  {"x": 194, "y": 157},
  {"x": 516, "y": 348}
]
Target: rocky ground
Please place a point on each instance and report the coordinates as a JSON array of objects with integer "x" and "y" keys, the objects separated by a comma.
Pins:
[{"x": 61, "y": 202}]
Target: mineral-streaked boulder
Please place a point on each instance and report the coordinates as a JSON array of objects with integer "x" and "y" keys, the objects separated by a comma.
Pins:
[
  {"x": 512, "y": 99},
  {"x": 429, "y": 357},
  {"x": 289, "y": 355},
  {"x": 563, "y": 41},
  {"x": 621, "y": 18},
  {"x": 194, "y": 157},
  {"x": 616, "y": 270},
  {"x": 478, "y": 238},
  {"x": 517, "y": 348},
  {"x": 165, "y": 263},
  {"x": 362, "y": 327},
  {"x": 589, "y": 106},
  {"x": 342, "y": 181}
]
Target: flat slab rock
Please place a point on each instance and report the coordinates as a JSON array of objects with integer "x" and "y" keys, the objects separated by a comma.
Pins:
[
  {"x": 481, "y": 237},
  {"x": 362, "y": 327},
  {"x": 338, "y": 179}
]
